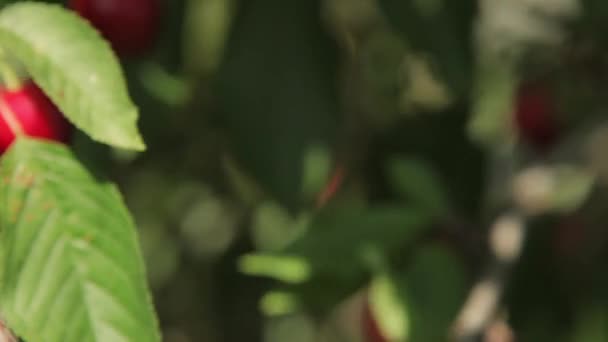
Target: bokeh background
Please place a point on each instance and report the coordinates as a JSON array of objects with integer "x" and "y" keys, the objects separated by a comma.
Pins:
[{"x": 333, "y": 170}]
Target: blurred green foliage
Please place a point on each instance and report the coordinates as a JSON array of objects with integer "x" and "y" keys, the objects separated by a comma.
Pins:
[{"x": 250, "y": 106}]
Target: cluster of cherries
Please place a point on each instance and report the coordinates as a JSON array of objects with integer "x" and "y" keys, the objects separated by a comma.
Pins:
[{"x": 130, "y": 26}]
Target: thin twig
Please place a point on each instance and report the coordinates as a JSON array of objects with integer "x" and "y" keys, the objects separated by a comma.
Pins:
[{"x": 506, "y": 239}]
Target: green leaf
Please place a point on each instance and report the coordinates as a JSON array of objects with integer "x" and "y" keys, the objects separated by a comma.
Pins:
[
  {"x": 71, "y": 268},
  {"x": 440, "y": 141},
  {"x": 390, "y": 310},
  {"x": 560, "y": 188},
  {"x": 336, "y": 244},
  {"x": 419, "y": 183},
  {"x": 435, "y": 288},
  {"x": 278, "y": 303},
  {"x": 277, "y": 87},
  {"x": 272, "y": 227},
  {"x": 439, "y": 29},
  {"x": 420, "y": 303},
  {"x": 289, "y": 269},
  {"x": 574, "y": 187},
  {"x": 590, "y": 324},
  {"x": 491, "y": 118},
  {"x": 70, "y": 61}
]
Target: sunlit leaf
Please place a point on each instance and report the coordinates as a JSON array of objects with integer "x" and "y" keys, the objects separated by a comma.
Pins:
[
  {"x": 70, "y": 264},
  {"x": 70, "y": 61}
]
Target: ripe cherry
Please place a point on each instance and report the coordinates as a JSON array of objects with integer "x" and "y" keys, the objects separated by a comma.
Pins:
[
  {"x": 371, "y": 329},
  {"x": 535, "y": 116},
  {"x": 29, "y": 111},
  {"x": 129, "y": 25}
]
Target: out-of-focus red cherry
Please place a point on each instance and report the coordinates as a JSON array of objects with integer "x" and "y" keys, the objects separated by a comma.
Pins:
[
  {"x": 370, "y": 328},
  {"x": 30, "y": 111},
  {"x": 535, "y": 116},
  {"x": 131, "y": 26}
]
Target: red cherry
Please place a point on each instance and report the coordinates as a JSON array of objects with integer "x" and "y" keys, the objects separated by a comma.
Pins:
[
  {"x": 29, "y": 110},
  {"x": 129, "y": 25},
  {"x": 535, "y": 116},
  {"x": 371, "y": 329}
]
